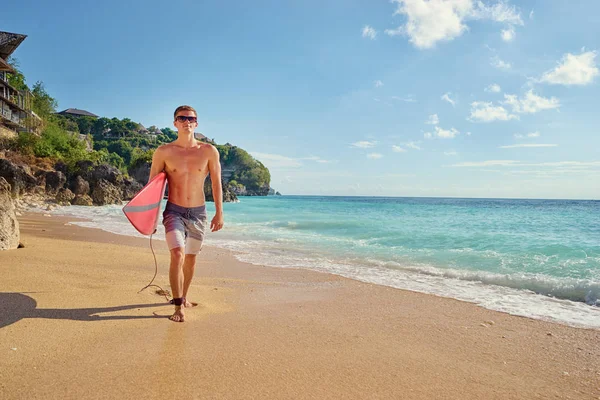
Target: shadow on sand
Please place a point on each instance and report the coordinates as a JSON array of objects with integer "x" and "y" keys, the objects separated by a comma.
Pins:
[{"x": 16, "y": 306}]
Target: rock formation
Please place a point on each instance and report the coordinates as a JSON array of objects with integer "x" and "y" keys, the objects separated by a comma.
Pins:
[
  {"x": 19, "y": 179},
  {"x": 9, "y": 226}
]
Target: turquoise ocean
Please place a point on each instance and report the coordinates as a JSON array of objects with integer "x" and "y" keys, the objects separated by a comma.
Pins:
[{"x": 534, "y": 258}]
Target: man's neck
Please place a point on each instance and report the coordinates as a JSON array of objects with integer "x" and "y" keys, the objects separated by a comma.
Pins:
[{"x": 185, "y": 140}]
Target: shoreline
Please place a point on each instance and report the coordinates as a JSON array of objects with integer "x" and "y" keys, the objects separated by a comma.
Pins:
[
  {"x": 259, "y": 332},
  {"x": 522, "y": 295}
]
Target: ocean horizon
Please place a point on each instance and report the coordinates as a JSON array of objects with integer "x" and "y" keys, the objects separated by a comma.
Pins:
[
  {"x": 538, "y": 258},
  {"x": 435, "y": 197}
]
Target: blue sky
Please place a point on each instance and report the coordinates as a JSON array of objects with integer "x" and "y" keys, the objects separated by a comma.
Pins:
[{"x": 459, "y": 98}]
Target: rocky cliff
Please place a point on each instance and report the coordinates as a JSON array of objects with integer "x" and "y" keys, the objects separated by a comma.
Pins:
[
  {"x": 9, "y": 226},
  {"x": 86, "y": 183}
]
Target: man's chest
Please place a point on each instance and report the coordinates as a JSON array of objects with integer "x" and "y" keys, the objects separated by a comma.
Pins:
[{"x": 186, "y": 161}]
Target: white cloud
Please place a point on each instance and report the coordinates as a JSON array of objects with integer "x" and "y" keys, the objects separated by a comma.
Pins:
[
  {"x": 446, "y": 134},
  {"x": 374, "y": 156},
  {"x": 412, "y": 145},
  {"x": 378, "y": 83},
  {"x": 499, "y": 12},
  {"x": 496, "y": 62},
  {"x": 279, "y": 161},
  {"x": 535, "y": 134},
  {"x": 408, "y": 99},
  {"x": 486, "y": 163},
  {"x": 369, "y": 32},
  {"x": 317, "y": 159},
  {"x": 530, "y": 103},
  {"x": 573, "y": 70},
  {"x": 442, "y": 133},
  {"x": 531, "y": 15},
  {"x": 395, "y": 32},
  {"x": 432, "y": 21},
  {"x": 364, "y": 144},
  {"x": 569, "y": 163},
  {"x": 565, "y": 165},
  {"x": 398, "y": 149},
  {"x": 513, "y": 163},
  {"x": 508, "y": 35},
  {"x": 493, "y": 88},
  {"x": 513, "y": 146},
  {"x": 503, "y": 13},
  {"x": 276, "y": 160},
  {"x": 433, "y": 120},
  {"x": 450, "y": 153},
  {"x": 486, "y": 112},
  {"x": 446, "y": 97},
  {"x": 397, "y": 176}
]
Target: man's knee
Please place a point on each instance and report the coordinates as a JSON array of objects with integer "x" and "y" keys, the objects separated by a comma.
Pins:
[
  {"x": 190, "y": 258},
  {"x": 177, "y": 255}
]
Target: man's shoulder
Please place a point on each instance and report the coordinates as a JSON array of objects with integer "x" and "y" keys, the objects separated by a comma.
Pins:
[
  {"x": 207, "y": 147},
  {"x": 164, "y": 147}
]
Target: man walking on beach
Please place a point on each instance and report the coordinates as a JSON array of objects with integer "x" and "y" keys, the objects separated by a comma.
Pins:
[{"x": 187, "y": 162}]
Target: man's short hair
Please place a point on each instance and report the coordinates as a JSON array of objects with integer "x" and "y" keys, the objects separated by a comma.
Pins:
[{"x": 184, "y": 108}]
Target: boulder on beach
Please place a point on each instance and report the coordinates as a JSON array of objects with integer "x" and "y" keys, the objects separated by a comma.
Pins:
[{"x": 9, "y": 226}]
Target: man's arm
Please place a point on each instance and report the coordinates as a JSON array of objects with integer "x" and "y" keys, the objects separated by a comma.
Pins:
[
  {"x": 214, "y": 169},
  {"x": 158, "y": 163}
]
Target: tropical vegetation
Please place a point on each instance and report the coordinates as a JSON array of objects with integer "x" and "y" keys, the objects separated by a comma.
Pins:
[{"x": 122, "y": 143}]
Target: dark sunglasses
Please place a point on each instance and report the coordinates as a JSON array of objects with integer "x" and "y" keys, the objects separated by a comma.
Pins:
[{"x": 183, "y": 118}]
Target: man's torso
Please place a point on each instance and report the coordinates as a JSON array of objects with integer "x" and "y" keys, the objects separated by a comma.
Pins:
[{"x": 186, "y": 170}]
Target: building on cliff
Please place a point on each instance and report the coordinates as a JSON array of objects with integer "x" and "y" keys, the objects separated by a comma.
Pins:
[
  {"x": 203, "y": 138},
  {"x": 75, "y": 112},
  {"x": 15, "y": 105}
]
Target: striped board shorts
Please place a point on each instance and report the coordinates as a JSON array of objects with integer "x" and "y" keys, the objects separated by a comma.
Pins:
[{"x": 185, "y": 227}]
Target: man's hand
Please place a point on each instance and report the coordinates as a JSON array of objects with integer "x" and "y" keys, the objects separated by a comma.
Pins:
[{"x": 216, "y": 223}]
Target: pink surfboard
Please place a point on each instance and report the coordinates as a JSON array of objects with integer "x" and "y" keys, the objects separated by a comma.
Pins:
[{"x": 144, "y": 209}]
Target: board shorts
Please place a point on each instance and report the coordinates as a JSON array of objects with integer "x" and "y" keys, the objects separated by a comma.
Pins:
[{"x": 185, "y": 227}]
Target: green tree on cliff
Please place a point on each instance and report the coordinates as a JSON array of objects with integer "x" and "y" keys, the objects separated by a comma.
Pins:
[
  {"x": 16, "y": 79},
  {"x": 43, "y": 104}
]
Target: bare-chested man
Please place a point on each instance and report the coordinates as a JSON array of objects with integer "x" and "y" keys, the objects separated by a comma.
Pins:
[{"x": 187, "y": 162}]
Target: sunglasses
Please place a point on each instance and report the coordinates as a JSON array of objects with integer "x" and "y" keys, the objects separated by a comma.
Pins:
[{"x": 183, "y": 118}]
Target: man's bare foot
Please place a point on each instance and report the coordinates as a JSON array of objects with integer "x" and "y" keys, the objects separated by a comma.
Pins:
[
  {"x": 186, "y": 303},
  {"x": 178, "y": 315},
  {"x": 189, "y": 304}
]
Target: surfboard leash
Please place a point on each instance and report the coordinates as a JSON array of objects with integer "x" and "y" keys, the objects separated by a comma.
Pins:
[{"x": 162, "y": 291}]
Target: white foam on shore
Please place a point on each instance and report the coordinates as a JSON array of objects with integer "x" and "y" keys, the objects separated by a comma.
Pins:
[
  {"x": 107, "y": 218},
  {"x": 480, "y": 290},
  {"x": 494, "y": 297}
]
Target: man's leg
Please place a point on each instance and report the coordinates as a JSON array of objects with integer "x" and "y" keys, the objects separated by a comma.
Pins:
[
  {"x": 176, "y": 278},
  {"x": 189, "y": 265},
  {"x": 195, "y": 227}
]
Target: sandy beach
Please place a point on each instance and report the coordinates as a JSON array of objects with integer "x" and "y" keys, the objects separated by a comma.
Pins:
[{"x": 73, "y": 326}]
